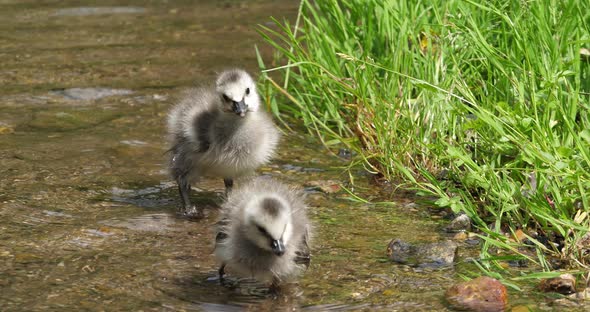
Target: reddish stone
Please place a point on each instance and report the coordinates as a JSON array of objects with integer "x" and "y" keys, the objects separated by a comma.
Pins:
[
  {"x": 326, "y": 186},
  {"x": 483, "y": 294}
]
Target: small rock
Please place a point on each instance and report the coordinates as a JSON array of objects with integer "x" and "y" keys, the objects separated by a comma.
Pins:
[
  {"x": 480, "y": 294},
  {"x": 459, "y": 224},
  {"x": 56, "y": 214},
  {"x": 461, "y": 236},
  {"x": 345, "y": 153},
  {"x": 422, "y": 255},
  {"x": 581, "y": 295},
  {"x": 326, "y": 186},
  {"x": 519, "y": 263},
  {"x": 99, "y": 232},
  {"x": 564, "y": 284},
  {"x": 289, "y": 167},
  {"x": 399, "y": 251},
  {"x": 519, "y": 235},
  {"x": 6, "y": 128},
  {"x": 134, "y": 142}
]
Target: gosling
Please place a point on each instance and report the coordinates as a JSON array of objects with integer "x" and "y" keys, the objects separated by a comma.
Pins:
[
  {"x": 219, "y": 132},
  {"x": 263, "y": 233}
]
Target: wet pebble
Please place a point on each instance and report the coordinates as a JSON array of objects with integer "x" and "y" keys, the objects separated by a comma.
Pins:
[
  {"x": 6, "y": 128},
  {"x": 87, "y": 94},
  {"x": 51, "y": 213},
  {"x": 86, "y": 11},
  {"x": 422, "y": 255},
  {"x": 27, "y": 258},
  {"x": 581, "y": 295},
  {"x": 289, "y": 167},
  {"x": 345, "y": 153},
  {"x": 564, "y": 284},
  {"x": 326, "y": 186},
  {"x": 147, "y": 197},
  {"x": 461, "y": 236},
  {"x": 99, "y": 232},
  {"x": 479, "y": 294},
  {"x": 459, "y": 224},
  {"x": 133, "y": 142}
]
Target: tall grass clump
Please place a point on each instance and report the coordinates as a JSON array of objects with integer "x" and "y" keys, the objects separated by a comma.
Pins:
[{"x": 483, "y": 104}]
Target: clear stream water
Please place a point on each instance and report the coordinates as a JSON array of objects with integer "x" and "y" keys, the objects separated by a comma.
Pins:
[{"x": 87, "y": 212}]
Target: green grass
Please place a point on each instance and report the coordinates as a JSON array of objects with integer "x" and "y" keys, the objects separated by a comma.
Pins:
[{"x": 484, "y": 104}]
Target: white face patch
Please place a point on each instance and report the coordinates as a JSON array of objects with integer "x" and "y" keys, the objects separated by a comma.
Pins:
[
  {"x": 264, "y": 226},
  {"x": 240, "y": 87}
]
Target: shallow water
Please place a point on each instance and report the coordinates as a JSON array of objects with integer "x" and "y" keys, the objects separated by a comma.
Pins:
[{"x": 87, "y": 216}]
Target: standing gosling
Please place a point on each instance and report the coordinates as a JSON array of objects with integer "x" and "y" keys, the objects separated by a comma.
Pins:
[
  {"x": 219, "y": 132},
  {"x": 264, "y": 232}
]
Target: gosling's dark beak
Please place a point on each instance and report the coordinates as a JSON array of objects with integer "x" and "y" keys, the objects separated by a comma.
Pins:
[
  {"x": 240, "y": 108},
  {"x": 277, "y": 247}
]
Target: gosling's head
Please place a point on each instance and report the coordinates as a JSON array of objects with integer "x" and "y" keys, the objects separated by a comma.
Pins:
[
  {"x": 268, "y": 224},
  {"x": 238, "y": 92}
]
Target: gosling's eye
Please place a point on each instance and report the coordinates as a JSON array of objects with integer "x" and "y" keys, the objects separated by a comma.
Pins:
[
  {"x": 247, "y": 91},
  {"x": 225, "y": 97}
]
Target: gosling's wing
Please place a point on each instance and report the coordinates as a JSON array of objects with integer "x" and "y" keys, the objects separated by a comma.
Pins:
[{"x": 203, "y": 123}]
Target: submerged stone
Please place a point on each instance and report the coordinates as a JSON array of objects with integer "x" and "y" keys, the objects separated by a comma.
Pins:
[
  {"x": 459, "y": 224},
  {"x": 564, "y": 284},
  {"x": 483, "y": 294},
  {"x": 157, "y": 222},
  {"x": 326, "y": 186},
  {"x": 87, "y": 94},
  {"x": 581, "y": 295},
  {"x": 70, "y": 120},
  {"x": 85, "y": 11},
  {"x": 52, "y": 213},
  {"x": 422, "y": 255},
  {"x": 6, "y": 128},
  {"x": 134, "y": 142}
]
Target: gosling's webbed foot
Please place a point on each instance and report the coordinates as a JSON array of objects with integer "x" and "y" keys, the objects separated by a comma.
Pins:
[
  {"x": 275, "y": 288},
  {"x": 192, "y": 212},
  {"x": 189, "y": 210}
]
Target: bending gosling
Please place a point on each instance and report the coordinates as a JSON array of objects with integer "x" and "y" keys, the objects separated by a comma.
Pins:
[
  {"x": 264, "y": 232},
  {"x": 219, "y": 132}
]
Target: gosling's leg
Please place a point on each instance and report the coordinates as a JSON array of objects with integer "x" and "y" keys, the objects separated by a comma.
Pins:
[
  {"x": 188, "y": 209},
  {"x": 229, "y": 184},
  {"x": 222, "y": 280},
  {"x": 221, "y": 272},
  {"x": 275, "y": 287}
]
